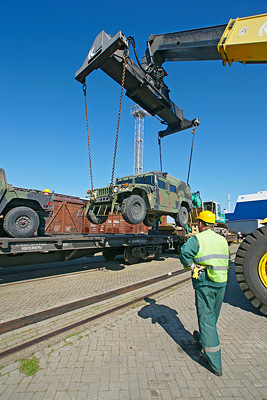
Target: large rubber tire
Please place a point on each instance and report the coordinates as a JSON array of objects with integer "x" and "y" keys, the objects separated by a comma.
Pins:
[
  {"x": 96, "y": 219},
  {"x": 134, "y": 209},
  {"x": 150, "y": 220},
  {"x": 21, "y": 222},
  {"x": 182, "y": 217},
  {"x": 251, "y": 268}
]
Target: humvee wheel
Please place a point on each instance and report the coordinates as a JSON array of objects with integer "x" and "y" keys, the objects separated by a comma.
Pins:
[
  {"x": 21, "y": 222},
  {"x": 150, "y": 220},
  {"x": 96, "y": 219},
  {"x": 134, "y": 209},
  {"x": 182, "y": 217},
  {"x": 251, "y": 268}
]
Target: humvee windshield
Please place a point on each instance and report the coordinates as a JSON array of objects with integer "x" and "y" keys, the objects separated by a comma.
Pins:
[
  {"x": 147, "y": 180},
  {"x": 2, "y": 183},
  {"x": 122, "y": 181}
]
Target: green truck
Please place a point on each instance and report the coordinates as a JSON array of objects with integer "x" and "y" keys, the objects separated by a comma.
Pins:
[
  {"x": 143, "y": 197},
  {"x": 22, "y": 211}
]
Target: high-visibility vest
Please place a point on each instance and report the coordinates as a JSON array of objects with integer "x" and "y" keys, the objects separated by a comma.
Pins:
[{"x": 213, "y": 253}]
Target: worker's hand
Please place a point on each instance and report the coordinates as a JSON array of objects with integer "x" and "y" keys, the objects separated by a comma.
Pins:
[{"x": 192, "y": 267}]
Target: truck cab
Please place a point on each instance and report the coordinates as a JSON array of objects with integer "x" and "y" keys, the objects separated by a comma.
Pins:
[
  {"x": 214, "y": 207},
  {"x": 21, "y": 210}
]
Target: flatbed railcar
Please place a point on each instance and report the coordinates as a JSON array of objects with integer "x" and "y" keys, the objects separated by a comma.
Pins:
[{"x": 45, "y": 249}]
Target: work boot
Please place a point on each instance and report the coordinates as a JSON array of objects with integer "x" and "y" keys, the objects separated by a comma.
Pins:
[
  {"x": 196, "y": 337},
  {"x": 204, "y": 362}
]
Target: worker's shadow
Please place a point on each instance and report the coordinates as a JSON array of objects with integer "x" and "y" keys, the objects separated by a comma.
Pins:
[{"x": 170, "y": 322}]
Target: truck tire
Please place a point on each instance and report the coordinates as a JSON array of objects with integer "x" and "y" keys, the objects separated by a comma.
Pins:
[
  {"x": 150, "y": 220},
  {"x": 134, "y": 209},
  {"x": 21, "y": 222},
  {"x": 96, "y": 219},
  {"x": 182, "y": 217},
  {"x": 251, "y": 268}
]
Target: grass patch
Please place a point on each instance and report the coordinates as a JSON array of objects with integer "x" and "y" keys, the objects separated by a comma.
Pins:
[{"x": 29, "y": 366}]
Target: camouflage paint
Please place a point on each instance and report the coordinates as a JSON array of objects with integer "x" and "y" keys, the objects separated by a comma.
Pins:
[
  {"x": 11, "y": 197},
  {"x": 158, "y": 201}
]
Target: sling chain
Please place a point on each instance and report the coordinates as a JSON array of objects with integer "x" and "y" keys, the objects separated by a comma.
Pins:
[
  {"x": 193, "y": 131},
  {"x": 125, "y": 56},
  {"x": 88, "y": 138},
  {"x": 160, "y": 156}
]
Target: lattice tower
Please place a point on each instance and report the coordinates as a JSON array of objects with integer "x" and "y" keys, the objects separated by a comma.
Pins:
[{"x": 139, "y": 114}]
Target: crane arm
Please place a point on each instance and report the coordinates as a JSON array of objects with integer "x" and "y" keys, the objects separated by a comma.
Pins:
[{"x": 242, "y": 39}]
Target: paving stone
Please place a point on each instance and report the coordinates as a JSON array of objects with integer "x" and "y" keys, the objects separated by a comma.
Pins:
[{"x": 147, "y": 353}]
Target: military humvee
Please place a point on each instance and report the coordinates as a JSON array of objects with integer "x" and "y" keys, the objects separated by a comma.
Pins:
[
  {"x": 143, "y": 198},
  {"x": 21, "y": 209}
]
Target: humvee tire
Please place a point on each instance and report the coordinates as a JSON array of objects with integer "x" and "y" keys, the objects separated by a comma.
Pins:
[
  {"x": 150, "y": 220},
  {"x": 134, "y": 209},
  {"x": 96, "y": 219},
  {"x": 182, "y": 217},
  {"x": 21, "y": 222}
]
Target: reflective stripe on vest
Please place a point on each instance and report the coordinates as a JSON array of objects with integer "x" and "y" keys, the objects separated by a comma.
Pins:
[{"x": 214, "y": 254}]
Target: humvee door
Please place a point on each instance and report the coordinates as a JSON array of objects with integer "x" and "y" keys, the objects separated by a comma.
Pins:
[{"x": 2, "y": 183}]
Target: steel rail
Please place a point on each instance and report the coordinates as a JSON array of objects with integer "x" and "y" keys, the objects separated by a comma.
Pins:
[
  {"x": 56, "y": 275},
  {"x": 31, "y": 319}
]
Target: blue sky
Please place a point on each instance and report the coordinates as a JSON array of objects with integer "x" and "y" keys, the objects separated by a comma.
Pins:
[{"x": 42, "y": 118}]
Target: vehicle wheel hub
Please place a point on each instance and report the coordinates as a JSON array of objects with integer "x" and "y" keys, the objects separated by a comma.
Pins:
[
  {"x": 136, "y": 210},
  {"x": 23, "y": 222},
  {"x": 263, "y": 269}
]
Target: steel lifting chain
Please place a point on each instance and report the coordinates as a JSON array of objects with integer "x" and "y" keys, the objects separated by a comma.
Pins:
[
  {"x": 125, "y": 56},
  {"x": 160, "y": 156},
  {"x": 192, "y": 146},
  {"x": 88, "y": 137}
]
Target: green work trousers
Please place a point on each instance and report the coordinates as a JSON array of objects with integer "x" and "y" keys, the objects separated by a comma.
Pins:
[{"x": 208, "y": 304}]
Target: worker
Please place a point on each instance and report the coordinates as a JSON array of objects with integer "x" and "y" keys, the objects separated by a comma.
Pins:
[
  {"x": 42, "y": 220},
  {"x": 207, "y": 255},
  {"x": 155, "y": 227}
]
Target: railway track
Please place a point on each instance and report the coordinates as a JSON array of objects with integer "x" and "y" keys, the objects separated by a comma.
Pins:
[
  {"x": 26, "y": 331},
  {"x": 10, "y": 327},
  {"x": 21, "y": 274},
  {"x": 9, "y": 276}
]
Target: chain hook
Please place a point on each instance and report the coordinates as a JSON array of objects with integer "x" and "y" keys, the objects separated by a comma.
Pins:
[{"x": 84, "y": 88}]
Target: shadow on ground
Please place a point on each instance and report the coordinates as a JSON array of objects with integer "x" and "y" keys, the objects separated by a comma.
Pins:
[
  {"x": 234, "y": 295},
  {"x": 168, "y": 319}
]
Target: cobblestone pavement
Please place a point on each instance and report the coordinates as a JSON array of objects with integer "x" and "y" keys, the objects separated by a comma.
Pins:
[
  {"x": 38, "y": 295},
  {"x": 148, "y": 352}
]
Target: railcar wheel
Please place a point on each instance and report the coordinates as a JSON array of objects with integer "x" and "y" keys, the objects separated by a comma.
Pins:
[
  {"x": 251, "y": 268},
  {"x": 109, "y": 254},
  {"x": 131, "y": 256}
]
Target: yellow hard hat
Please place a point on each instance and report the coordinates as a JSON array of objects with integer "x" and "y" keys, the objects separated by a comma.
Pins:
[
  {"x": 264, "y": 222},
  {"x": 46, "y": 191},
  {"x": 207, "y": 216}
]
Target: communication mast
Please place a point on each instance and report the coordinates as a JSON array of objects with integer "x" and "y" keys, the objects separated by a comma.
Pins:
[{"x": 139, "y": 114}]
